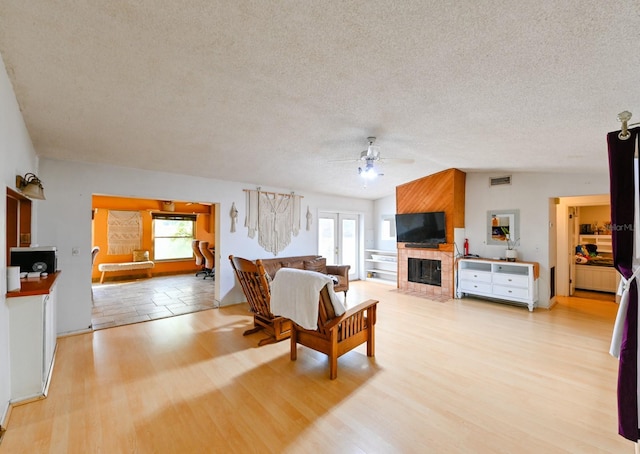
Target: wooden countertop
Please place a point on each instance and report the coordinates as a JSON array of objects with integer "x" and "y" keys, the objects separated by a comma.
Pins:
[{"x": 35, "y": 286}]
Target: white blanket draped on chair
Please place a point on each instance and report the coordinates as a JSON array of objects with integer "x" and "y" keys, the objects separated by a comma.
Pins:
[{"x": 295, "y": 294}]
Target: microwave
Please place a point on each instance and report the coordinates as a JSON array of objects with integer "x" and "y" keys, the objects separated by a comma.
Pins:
[{"x": 43, "y": 259}]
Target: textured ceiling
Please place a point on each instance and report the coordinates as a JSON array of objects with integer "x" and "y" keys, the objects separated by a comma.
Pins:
[{"x": 272, "y": 92}]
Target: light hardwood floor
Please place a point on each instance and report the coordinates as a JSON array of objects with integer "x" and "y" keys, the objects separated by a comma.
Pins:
[{"x": 463, "y": 376}]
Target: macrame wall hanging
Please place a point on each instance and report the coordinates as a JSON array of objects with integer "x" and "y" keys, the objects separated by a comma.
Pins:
[
  {"x": 124, "y": 231},
  {"x": 233, "y": 213},
  {"x": 275, "y": 217}
]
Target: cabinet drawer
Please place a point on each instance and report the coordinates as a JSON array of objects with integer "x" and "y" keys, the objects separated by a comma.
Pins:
[
  {"x": 474, "y": 286},
  {"x": 476, "y": 276},
  {"x": 511, "y": 279},
  {"x": 510, "y": 292}
]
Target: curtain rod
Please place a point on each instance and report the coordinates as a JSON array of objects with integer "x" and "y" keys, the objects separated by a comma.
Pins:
[
  {"x": 272, "y": 193},
  {"x": 624, "y": 117}
]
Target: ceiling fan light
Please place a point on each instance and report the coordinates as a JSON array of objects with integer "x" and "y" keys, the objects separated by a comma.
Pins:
[
  {"x": 368, "y": 173},
  {"x": 373, "y": 151}
]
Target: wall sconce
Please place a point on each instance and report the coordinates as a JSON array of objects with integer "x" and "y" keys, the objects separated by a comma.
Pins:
[{"x": 31, "y": 186}]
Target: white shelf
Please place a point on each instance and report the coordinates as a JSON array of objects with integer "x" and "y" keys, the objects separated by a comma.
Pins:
[
  {"x": 379, "y": 271},
  {"x": 382, "y": 268},
  {"x": 603, "y": 242}
]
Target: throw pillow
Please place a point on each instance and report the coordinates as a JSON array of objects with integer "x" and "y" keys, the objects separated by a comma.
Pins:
[
  {"x": 298, "y": 264},
  {"x": 319, "y": 265},
  {"x": 140, "y": 256}
]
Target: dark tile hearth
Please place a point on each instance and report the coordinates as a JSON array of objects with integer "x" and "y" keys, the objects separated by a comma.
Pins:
[{"x": 125, "y": 302}]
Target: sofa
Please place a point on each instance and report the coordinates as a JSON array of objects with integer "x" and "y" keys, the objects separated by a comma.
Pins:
[{"x": 312, "y": 263}]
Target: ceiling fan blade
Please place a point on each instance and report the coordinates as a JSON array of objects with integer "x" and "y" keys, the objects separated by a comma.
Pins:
[
  {"x": 398, "y": 160},
  {"x": 344, "y": 160}
]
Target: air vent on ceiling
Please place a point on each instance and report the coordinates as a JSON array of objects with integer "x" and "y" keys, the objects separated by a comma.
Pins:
[{"x": 497, "y": 181}]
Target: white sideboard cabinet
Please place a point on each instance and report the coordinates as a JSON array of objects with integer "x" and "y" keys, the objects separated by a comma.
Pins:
[
  {"x": 515, "y": 282},
  {"x": 32, "y": 338}
]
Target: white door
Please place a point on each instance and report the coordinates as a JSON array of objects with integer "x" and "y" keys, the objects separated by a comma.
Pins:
[
  {"x": 338, "y": 240},
  {"x": 573, "y": 240}
]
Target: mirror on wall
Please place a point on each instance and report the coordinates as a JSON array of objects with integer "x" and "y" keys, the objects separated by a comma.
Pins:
[{"x": 502, "y": 225}]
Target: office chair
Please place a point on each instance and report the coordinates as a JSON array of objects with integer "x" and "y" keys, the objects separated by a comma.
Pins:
[
  {"x": 200, "y": 261},
  {"x": 209, "y": 260}
]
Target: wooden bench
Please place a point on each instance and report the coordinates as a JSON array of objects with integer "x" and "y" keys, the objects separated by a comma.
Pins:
[{"x": 125, "y": 266}]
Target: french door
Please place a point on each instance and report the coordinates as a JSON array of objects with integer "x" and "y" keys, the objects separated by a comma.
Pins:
[{"x": 338, "y": 240}]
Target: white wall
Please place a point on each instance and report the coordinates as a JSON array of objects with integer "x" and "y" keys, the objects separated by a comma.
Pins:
[
  {"x": 65, "y": 222},
  {"x": 530, "y": 193},
  {"x": 18, "y": 158},
  {"x": 534, "y": 194},
  {"x": 384, "y": 206},
  {"x": 599, "y": 215}
]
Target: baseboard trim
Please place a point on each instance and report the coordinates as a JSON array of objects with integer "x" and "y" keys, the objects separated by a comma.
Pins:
[
  {"x": 4, "y": 421},
  {"x": 74, "y": 333}
]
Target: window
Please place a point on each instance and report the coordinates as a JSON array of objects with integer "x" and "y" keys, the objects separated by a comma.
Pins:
[
  {"x": 388, "y": 228},
  {"x": 172, "y": 236}
]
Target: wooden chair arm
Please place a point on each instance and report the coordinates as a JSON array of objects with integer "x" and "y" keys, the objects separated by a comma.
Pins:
[{"x": 365, "y": 305}]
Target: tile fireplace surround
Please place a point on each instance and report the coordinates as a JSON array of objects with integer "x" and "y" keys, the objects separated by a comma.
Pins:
[{"x": 444, "y": 292}]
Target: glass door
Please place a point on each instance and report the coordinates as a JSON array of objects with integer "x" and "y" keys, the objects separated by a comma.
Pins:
[{"x": 338, "y": 240}]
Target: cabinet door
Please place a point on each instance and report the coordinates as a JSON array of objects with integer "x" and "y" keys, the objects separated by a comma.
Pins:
[
  {"x": 26, "y": 344},
  {"x": 49, "y": 335}
]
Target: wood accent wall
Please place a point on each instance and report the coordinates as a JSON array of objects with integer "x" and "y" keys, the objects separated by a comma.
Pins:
[
  {"x": 18, "y": 221},
  {"x": 442, "y": 191}
]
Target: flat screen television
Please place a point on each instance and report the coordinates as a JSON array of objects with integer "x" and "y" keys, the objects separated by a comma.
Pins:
[{"x": 421, "y": 228}]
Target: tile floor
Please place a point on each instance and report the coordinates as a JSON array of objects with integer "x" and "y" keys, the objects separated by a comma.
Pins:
[{"x": 125, "y": 302}]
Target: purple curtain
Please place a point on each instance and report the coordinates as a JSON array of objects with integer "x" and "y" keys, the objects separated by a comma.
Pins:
[{"x": 621, "y": 162}]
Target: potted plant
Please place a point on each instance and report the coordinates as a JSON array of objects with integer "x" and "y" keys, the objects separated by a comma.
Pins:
[{"x": 510, "y": 254}]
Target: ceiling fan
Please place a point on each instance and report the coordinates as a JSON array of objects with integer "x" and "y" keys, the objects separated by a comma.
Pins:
[{"x": 369, "y": 157}]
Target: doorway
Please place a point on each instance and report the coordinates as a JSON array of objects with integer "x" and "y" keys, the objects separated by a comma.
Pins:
[
  {"x": 339, "y": 240},
  {"x": 584, "y": 248},
  {"x": 128, "y": 229}
]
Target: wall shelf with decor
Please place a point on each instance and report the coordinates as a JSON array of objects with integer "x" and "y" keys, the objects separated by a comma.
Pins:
[
  {"x": 603, "y": 242},
  {"x": 381, "y": 266}
]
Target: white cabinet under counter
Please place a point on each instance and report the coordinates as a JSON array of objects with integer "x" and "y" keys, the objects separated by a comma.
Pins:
[
  {"x": 515, "y": 282},
  {"x": 32, "y": 337}
]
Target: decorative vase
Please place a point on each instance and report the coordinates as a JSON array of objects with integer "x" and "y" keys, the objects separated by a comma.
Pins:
[{"x": 511, "y": 255}]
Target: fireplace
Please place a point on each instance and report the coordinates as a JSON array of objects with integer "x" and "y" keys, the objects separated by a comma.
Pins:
[
  {"x": 440, "y": 274},
  {"x": 424, "y": 271}
]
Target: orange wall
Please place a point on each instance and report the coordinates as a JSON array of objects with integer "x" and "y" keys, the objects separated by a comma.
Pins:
[{"x": 101, "y": 206}]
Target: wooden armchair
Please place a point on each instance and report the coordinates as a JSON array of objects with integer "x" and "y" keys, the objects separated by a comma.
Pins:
[
  {"x": 337, "y": 335},
  {"x": 255, "y": 286}
]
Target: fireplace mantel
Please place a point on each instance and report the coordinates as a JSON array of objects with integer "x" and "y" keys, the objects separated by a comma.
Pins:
[{"x": 444, "y": 291}]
